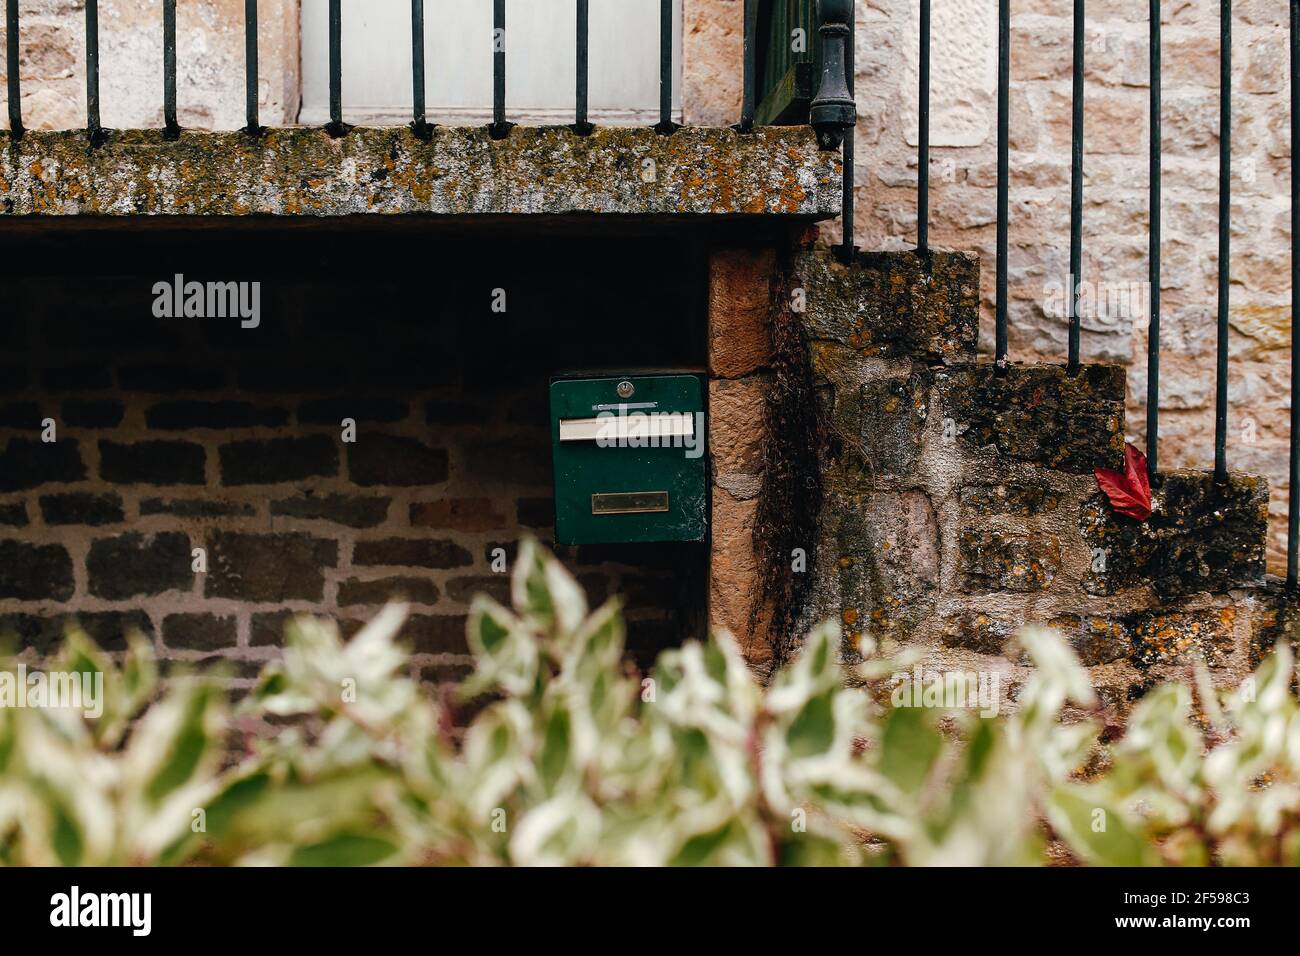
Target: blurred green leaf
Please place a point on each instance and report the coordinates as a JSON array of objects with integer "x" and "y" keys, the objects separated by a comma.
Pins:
[
  {"x": 908, "y": 748},
  {"x": 344, "y": 849},
  {"x": 572, "y": 757},
  {"x": 1094, "y": 831}
]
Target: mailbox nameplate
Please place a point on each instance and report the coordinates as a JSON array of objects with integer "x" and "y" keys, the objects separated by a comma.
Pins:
[{"x": 629, "y": 503}]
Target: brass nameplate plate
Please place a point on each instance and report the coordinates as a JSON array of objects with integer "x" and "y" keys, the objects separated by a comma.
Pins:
[{"x": 629, "y": 503}]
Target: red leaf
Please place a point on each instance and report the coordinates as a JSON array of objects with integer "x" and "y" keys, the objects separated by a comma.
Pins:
[{"x": 1129, "y": 491}]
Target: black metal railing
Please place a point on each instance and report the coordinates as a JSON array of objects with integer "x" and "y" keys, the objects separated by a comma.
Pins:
[
  {"x": 253, "y": 128},
  {"x": 93, "y": 128},
  {"x": 831, "y": 12},
  {"x": 1076, "y": 189},
  {"x": 499, "y": 126},
  {"x": 11, "y": 66},
  {"x": 581, "y": 58},
  {"x": 1004, "y": 179},
  {"x": 1153, "y": 255},
  {"x": 833, "y": 112},
  {"x": 336, "y": 126},
  {"x": 173, "y": 129},
  {"x": 923, "y": 134},
  {"x": 783, "y": 80},
  {"x": 1225, "y": 242}
]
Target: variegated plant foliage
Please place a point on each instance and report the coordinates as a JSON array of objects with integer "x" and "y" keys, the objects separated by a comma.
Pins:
[{"x": 579, "y": 760}]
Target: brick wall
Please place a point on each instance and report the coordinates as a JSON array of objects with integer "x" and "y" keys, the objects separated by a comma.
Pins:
[{"x": 179, "y": 434}]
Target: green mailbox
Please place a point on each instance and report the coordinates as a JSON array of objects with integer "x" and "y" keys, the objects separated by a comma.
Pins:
[{"x": 629, "y": 454}]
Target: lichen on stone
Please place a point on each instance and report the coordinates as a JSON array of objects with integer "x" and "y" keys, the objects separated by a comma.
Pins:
[
  {"x": 1201, "y": 536},
  {"x": 1040, "y": 414},
  {"x": 298, "y": 171}
]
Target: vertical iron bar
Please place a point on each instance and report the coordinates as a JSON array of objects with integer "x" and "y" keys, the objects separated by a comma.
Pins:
[
  {"x": 93, "y": 127},
  {"x": 250, "y": 66},
  {"x": 1004, "y": 177},
  {"x": 170, "y": 125},
  {"x": 747, "y": 106},
  {"x": 418, "y": 123},
  {"x": 1293, "y": 516},
  {"x": 923, "y": 144},
  {"x": 499, "y": 127},
  {"x": 580, "y": 124},
  {"x": 498, "y": 61},
  {"x": 1153, "y": 277},
  {"x": 336, "y": 67},
  {"x": 1225, "y": 212},
  {"x": 850, "y": 135},
  {"x": 1153, "y": 256},
  {"x": 1076, "y": 188},
  {"x": 11, "y": 60},
  {"x": 665, "y": 67}
]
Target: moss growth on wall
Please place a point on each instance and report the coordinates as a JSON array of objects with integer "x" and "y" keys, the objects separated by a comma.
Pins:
[{"x": 456, "y": 171}]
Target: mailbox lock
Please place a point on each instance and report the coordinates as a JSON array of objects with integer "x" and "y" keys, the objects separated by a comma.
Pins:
[{"x": 625, "y": 389}]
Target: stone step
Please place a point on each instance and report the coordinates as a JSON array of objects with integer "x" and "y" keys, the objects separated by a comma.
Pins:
[
  {"x": 1039, "y": 414},
  {"x": 1201, "y": 536},
  {"x": 959, "y": 500},
  {"x": 893, "y": 304}
]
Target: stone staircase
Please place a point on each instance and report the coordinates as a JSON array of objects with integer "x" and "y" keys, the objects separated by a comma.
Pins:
[{"x": 958, "y": 503}]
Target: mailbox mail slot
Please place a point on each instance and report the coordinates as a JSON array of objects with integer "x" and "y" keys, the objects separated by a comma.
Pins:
[{"x": 629, "y": 456}]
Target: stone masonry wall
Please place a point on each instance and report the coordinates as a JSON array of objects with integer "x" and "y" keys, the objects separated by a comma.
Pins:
[
  {"x": 101, "y": 525},
  {"x": 963, "y": 182},
  {"x": 961, "y": 504},
  {"x": 988, "y": 549}
]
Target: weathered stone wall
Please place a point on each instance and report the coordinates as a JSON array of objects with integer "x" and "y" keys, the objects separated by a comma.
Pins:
[
  {"x": 963, "y": 182},
  {"x": 456, "y": 171},
  {"x": 981, "y": 544},
  {"x": 713, "y": 36},
  {"x": 193, "y": 432},
  {"x": 960, "y": 504}
]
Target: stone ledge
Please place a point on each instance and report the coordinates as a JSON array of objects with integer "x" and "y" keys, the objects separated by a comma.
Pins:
[
  {"x": 459, "y": 171},
  {"x": 1142, "y": 638}
]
